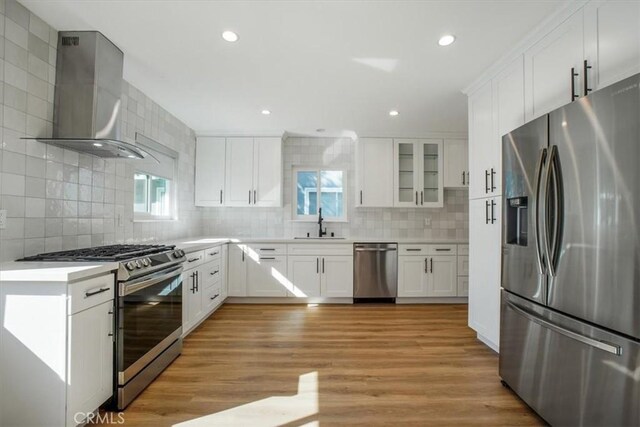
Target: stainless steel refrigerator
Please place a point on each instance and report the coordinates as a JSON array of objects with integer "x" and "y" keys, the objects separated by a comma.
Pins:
[{"x": 570, "y": 309}]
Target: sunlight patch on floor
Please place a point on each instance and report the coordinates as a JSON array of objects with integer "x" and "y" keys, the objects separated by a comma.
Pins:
[{"x": 272, "y": 411}]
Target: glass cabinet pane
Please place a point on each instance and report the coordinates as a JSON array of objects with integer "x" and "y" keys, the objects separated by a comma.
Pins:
[
  {"x": 431, "y": 172},
  {"x": 406, "y": 172}
]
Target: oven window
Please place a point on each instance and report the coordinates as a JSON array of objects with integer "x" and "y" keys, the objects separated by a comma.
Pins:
[{"x": 147, "y": 317}]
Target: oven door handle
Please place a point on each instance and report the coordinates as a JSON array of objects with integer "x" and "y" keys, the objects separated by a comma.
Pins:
[{"x": 145, "y": 282}]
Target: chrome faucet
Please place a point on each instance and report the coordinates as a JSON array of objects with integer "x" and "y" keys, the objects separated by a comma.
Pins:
[{"x": 320, "y": 219}]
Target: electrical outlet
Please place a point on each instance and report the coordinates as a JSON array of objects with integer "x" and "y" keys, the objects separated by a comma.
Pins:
[
  {"x": 427, "y": 222},
  {"x": 3, "y": 219}
]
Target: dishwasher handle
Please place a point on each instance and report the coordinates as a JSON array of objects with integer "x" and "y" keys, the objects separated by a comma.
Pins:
[{"x": 363, "y": 249}]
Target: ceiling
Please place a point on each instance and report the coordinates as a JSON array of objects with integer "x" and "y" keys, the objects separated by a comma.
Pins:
[{"x": 337, "y": 65}]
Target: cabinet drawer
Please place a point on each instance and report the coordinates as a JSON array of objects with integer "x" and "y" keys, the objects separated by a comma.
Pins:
[
  {"x": 212, "y": 254},
  {"x": 212, "y": 297},
  {"x": 91, "y": 292},
  {"x": 320, "y": 249},
  {"x": 463, "y": 249},
  {"x": 267, "y": 249},
  {"x": 408, "y": 249},
  {"x": 194, "y": 259},
  {"x": 211, "y": 272},
  {"x": 463, "y": 265}
]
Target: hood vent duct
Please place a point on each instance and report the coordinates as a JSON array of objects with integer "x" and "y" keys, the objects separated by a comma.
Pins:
[{"x": 86, "y": 112}]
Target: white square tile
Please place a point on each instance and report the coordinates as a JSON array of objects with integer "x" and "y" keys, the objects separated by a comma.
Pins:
[
  {"x": 34, "y": 207},
  {"x": 12, "y": 184}
]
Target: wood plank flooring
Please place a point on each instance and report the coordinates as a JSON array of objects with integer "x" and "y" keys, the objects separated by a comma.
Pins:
[{"x": 332, "y": 365}]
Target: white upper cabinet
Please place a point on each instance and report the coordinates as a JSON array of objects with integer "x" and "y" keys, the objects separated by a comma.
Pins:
[
  {"x": 508, "y": 87},
  {"x": 548, "y": 68},
  {"x": 374, "y": 167},
  {"x": 418, "y": 173},
  {"x": 253, "y": 174},
  {"x": 267, "y": 174},
  {"x": 612, "y": 41},
  {"x": 210, "y": 171},
  {"x": 239, "y": 182},
  {"x": 456, "y": 159},
  {"x": 484, "y": 149}
]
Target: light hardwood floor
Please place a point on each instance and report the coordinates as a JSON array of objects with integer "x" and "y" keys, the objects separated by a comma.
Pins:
[{"x": 332, "y": 365}]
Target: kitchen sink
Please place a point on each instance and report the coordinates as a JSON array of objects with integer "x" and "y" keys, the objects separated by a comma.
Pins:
[{"x": 320, "y": 238}]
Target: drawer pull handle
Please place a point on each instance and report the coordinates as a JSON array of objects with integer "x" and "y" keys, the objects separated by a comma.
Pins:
[
  {"x": 215, "y": 296},
  {"x": 215, "y": 272},
  {"x": 213, "y": 253},
  {"x": 443, "y": 249},
  {"x": 193, "y": 259},
  {"x": 99, "y": 291},
  {"x": 266, "y": 258},
  {"x": 413, "y": 250},
  {"x": 267, "y": 249}
]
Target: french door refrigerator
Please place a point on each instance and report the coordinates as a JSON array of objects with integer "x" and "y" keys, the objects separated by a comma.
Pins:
[{"x": 570, "y": 303}]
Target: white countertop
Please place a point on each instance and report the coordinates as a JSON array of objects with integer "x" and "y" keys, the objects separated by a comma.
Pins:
[
  {"x": 34, "y": 271},
  {"x": 194, "y": 244}
]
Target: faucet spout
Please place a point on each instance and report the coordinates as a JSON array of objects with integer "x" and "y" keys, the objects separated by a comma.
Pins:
[{"x": 320, "y": 219}]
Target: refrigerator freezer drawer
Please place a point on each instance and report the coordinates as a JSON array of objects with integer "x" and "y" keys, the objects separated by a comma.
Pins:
[{"x": 570, "y": 372}]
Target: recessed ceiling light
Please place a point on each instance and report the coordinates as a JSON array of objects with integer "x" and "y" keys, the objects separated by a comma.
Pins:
[
  {"x": 266, "y": 112},
  {"x": 97, "y": 144},
  {"x": 131, "y": 156},
  {"x": 446, "y": 40},
  {"x": 230, "y": 36},
  {"x": 393, "y": 113}
]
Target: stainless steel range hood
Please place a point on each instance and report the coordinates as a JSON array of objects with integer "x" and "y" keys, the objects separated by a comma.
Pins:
[{"x": 86, "y": 114}]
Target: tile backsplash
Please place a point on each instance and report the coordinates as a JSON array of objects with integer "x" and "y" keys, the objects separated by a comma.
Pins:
[
  {"x": 451, "y": 221},
  {"x": 59, "y": 199}
]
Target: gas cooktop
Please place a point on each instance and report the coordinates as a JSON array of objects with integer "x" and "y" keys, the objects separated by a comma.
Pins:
[{"x": 102, "y": 253}]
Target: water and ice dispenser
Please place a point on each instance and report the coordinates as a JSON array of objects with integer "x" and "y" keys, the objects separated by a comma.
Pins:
[{"x": 517, "y": 221}]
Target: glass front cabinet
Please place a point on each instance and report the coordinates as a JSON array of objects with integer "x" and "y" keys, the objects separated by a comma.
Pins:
[{"x": 418, "y": 177}]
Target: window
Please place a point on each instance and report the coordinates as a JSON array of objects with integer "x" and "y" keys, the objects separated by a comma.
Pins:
[
  {"x": 319, "y": 188},
  {"x": 154, "y": 194}
]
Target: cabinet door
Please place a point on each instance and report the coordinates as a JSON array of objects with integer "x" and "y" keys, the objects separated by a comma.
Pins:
[
  {"x": 210, "y": 171},
  {"x": 90, "y": 381},
  {"x": 224, "y": 257},
  {"x": 239, "y": 172},
  {"x": 304, "y": 274},
  {"x": 463, "y": 286},
  {"x": 412, "y": 276},
  {"x": 484, "y": 268},
  {"x": 442, "y": 280},
  {"x": 192, "y": 298},
  {"x": 508, "y": 87},
  {"x": 337, "y": 276},
  {"x": 456, "y": 163},
  {"x": 267, "y": 174},
  {"x": 612, "y": 41},
  {"x": 482, "y": 140},
  {"x": 267, "y": 277},
  {"x": 237, "y": 272},
  {"x": 406, "y": 166},
  {"x": 374, "y": 166},
  {"x": 548, "y": 66},
  {"x": 430, "y": 177}
]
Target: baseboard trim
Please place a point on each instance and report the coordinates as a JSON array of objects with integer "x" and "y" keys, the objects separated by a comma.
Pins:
[
  {"x": 287, "y": 300},
  {"x": 433, "y": 300},
  {"x": 486, "y": 341}
]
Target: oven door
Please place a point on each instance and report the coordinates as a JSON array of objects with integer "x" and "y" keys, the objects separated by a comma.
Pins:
[{"x": 149, "y": 320}]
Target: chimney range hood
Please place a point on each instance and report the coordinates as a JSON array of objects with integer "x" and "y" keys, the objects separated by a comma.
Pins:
[{"x": 87, "y": 104}]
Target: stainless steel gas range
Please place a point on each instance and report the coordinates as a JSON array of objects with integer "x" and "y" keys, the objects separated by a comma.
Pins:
[{"x": 148, "y": 310}]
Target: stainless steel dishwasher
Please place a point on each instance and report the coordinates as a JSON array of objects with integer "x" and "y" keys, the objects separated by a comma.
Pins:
[{"x": 375, "y": 272}]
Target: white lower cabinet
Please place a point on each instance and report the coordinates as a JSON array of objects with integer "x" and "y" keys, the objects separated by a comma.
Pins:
[
  {"x": 442, "y": 279},
  {"x": 267, "y": 276},
  {"x": 328, "y": 276},
  {"x": 463, "y": 286},
  {"x": 237, "y": 275},
  {"x": 412, "y": 276},
  {"x": 425, "y": 275},
  {"x": 90, "y": 381},
  {"x": 192, "y": 309}
]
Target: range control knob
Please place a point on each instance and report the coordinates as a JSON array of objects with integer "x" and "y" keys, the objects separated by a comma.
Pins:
[
  {"x": 138, "y": 264},
  {"x": 145, "y": 262},
  {"x": 177, "y": 254},
  {"x": 181, "y": 252},
  {"x": 131, "y": 265}
]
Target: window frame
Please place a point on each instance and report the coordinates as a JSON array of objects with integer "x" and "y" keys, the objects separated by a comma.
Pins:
[{"x": 318, "y": 169}]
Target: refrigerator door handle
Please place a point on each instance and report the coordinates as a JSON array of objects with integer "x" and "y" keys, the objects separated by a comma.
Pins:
[
  {"x": 602, "y": 345},
  {"x": 536, "y": 224},
  {"x": 553, "y": 151},
  {"x": 554, "y": 166}
]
